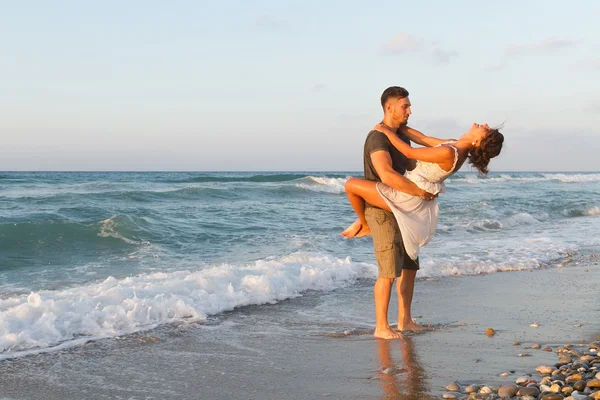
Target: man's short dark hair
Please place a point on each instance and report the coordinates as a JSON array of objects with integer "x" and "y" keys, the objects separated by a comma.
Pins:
[{"x": 393, "y": 92}]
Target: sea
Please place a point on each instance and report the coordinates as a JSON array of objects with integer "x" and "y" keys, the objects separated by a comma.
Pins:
[{"x": 87, "y": 256}]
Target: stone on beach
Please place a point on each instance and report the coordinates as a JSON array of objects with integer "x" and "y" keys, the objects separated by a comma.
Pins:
[
  {"x": 490, "y": 332},
  {"x": 565, "y": 360},
  {"x": 578, "y": 396},
  {"x": 544, "y": 369},
  {"x": 594, "y": 384},
  {"x": 567, "y": 390},
  {"x": 486, "y": 390},
  {"x": 508, "y": 390},
  {"x": 454, "y": 387},
  {"x": 472, "y": 389},
  {"x": 529, "y": 391},
  {"x": 552, "y": 396},
  {"x": 579, "y": 385},
  {"x": 556, "y": 388},
  {"x": 449, "y": 396}
]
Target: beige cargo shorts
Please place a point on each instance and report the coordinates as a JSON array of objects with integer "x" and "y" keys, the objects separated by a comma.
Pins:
[{"x": 387, "y": 241}]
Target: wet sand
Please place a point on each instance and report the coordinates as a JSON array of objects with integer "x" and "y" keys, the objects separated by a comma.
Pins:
[{"x": 301, "y": 349}]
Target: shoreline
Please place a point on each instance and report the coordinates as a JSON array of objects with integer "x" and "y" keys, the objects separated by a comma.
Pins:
[{"x": 297, "y": 349}]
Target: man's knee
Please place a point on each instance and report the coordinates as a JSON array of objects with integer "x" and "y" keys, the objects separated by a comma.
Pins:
[{"x": 385, "y": 281}]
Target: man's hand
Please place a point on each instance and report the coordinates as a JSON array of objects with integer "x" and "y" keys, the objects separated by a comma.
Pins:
[{"x": 427, "y": 196}]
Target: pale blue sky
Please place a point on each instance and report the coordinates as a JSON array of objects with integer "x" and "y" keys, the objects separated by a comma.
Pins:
[{"x": 290, "y": 85}]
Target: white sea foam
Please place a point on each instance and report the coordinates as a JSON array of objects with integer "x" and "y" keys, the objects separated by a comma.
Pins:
[
  {"x": 47, "y": 319},
  {"x": 450, "y": 258},
  {"x": 592, "y": 211},
  {"x": 108, "y": 230},
  {"x": 505, "y": 223},
  {"x": 324, "y": 184}
]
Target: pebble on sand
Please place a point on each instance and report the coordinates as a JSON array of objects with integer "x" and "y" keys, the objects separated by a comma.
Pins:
[
  {"x": 575, "y": 376},
  {"x": 508, "y": 391},
  {"x": 454, "y": 387},
  {"x": 544, "y": 369},
  {"x": 449, "y": 396},
  {"x": 594, "y": 384},
  {"x": 490, "y": 332}
]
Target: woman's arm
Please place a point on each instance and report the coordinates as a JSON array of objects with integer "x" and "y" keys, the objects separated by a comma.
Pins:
[
  {"x": 438, "y": 154},
  {"x": 417, "y": 137}
]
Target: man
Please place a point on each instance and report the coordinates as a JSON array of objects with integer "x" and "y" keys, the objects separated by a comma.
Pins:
[{"x": 383, "y": 163}]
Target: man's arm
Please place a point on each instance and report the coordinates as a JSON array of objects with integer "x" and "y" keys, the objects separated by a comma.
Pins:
[
  {"x": 419, "y": 138},
  {"x": 382, "y": 162}
]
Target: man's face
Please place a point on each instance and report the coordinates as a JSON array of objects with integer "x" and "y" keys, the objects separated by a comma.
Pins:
[{"x": 401, "y": 110}]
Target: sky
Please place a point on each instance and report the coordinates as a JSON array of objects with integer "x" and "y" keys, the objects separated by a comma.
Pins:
[{"x": 291, "y": 85}]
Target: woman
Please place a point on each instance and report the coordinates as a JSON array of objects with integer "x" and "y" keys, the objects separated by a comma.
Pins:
[{"x": 417, "y": 218}]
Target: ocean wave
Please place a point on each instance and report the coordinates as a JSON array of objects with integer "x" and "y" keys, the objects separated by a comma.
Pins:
[
  {"x": 582, "y": 211},
  {"x": 261, "y": 178},
  {"x": 538, "y": 177},
  {"x": 47, "y": 319},
  {"x": 506, "y": 223},
  {"x": 592, "y": 211},
  {"x": 55, "y": 232},
  {"x": 324, "y": 184}
]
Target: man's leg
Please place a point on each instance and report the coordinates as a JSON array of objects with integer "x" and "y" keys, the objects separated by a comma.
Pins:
[
  {"x": 383, "y": 292},
  {"x": 405, "y": 287},
  {"x": 383, "y": 229}
]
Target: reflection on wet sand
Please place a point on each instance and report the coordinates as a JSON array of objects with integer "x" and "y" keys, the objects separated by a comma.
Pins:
[{"x": 404, "y": 380}]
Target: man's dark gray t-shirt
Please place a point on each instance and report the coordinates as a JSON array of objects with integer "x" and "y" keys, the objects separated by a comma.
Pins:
[{"x": 378, "y": 141}]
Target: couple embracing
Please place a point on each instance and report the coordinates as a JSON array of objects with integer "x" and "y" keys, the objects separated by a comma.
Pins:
[{"x": 395, "y": 203}]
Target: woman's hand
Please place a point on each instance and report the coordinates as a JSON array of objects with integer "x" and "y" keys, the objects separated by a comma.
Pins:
[{"x": 384, "y": 129}]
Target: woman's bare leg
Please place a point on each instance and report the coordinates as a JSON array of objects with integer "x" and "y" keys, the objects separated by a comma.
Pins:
[{"x": 360, "y": 191}]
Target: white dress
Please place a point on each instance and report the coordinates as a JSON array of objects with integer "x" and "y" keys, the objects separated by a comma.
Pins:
[{"x": 417, "y": 218}]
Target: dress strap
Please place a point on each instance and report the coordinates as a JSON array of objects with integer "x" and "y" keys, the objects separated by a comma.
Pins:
[{"x": 455, "y": 155}]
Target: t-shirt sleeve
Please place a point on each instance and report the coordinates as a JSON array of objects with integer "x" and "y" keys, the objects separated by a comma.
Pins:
[{"x": 376, "y": 141}]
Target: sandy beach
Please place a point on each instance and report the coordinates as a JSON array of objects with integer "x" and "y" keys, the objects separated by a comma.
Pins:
[{"x": 282, "y": 352}]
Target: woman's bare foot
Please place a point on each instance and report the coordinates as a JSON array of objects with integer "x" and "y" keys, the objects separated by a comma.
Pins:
[
  {"x": 364, "y": 231},
  {"x": 387, "y": 333},
  {"x": 410, "y": 326},
  {"x": 353, "y": 229}
]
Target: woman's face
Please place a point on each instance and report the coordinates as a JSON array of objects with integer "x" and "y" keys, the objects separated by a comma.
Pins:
[{"x": 479, "y": 132}]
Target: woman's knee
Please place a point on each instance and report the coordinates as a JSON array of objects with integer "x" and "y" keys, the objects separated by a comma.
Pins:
[{"x": 350, "y": 185}]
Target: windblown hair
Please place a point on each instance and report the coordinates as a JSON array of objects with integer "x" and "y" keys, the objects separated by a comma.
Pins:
[
  {"x": 490, "y": 147},
  {"x": 396, "y": 92}
]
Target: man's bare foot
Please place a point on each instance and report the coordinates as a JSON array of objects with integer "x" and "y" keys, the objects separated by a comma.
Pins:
[
  {"x": 387, "y": 333},
  {"x": 364, "y": 231},
  {"x": 353, "y": 229},
  {"x": 411, "y": 326}
]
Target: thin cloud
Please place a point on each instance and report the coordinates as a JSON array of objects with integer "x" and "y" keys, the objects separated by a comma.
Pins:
[
  {"x": 545, "y": 46},
  {"x": 319, "y": 87},
  {"x": 264, "y": 21},
  {"x": 402, "y": 43}
]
